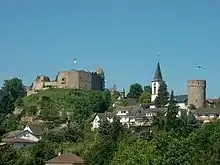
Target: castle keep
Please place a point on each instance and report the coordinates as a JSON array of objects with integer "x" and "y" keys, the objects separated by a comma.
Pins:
[{"x": 197, "y": 93}]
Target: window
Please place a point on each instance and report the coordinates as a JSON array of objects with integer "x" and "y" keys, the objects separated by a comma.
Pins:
[
  {"x": 155, "y": 88},
  {"x": 26, "y": 135},
  {"x": 63, "y": 80},
  {"x": 24, "y": 145}
]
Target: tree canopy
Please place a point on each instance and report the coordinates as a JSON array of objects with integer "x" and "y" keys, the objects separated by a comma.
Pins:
[{"x": 135, "y": 91}]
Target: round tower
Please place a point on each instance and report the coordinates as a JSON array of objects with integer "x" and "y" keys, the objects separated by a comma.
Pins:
[{"x": 197, "y": 93}]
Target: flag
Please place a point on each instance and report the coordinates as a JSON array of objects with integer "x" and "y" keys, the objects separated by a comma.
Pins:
[
  {"x": 199, "y": 68},
  {"x": 74, "y": 60}
]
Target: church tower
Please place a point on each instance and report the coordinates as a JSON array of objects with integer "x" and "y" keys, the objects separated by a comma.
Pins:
[{"x": 158, "y": 79}]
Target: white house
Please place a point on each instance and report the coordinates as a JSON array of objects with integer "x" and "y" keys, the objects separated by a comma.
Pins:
[
  {"x": 97, "y": 118},
  {"x": 129, "y": 115},
  {"x": 20, "y": 139}
]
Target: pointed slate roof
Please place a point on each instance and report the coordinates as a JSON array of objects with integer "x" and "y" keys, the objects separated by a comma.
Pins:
[{"x": 158, "y": 74}]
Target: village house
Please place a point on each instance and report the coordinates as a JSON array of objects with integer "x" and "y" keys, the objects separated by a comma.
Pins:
[
  {"x": 206, "y": 115},
  {"x": 66, "y": 159},
  {"x": 98, "y": 118},
  {"x": 20, "y": 139},
  {"x": 128, "y": 115}
]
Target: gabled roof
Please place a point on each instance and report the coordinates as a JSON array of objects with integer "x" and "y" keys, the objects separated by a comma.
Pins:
[
  {"x": 181, "y": 98},
  {"x": 101, "y": 116},
  {"x": 37, "y": 129},
  {"x": 17, "y": 140},
  {"x": 67, "y": 158},
  {"x": 13, "y": 137},
  {"x": 135, "y": 111},
  {"x": 158, "y": 75},
  {"x": 14, "y": 134}
]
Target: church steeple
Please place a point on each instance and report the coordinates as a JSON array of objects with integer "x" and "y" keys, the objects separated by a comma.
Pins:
[
  {"x": 158, "y": 79},
  {"x": 158, "y": 75}
]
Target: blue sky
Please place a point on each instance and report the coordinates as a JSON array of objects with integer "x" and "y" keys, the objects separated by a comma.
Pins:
[{"x": 121, "y": 36}]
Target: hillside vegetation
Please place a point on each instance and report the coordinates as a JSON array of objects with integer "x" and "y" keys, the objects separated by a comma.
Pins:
[
  {"x": 57, "y": 103},
  {"x": 170, "y": 140}
]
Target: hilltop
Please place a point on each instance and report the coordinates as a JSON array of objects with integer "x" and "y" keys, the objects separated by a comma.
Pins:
[{"x": 63, "y": 104}]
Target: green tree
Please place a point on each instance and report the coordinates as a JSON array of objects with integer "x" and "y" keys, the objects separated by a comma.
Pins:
[
  {"x": 11, "y": 90},
  {"x": 6, "y": 105},
  {"x": 104, "y": 150},
  {"x": 15, "y": 88},
  {"x": 107, "y": 99},
  {"x": 172, "y": 121},
  {"x": 192, "y": 123},
  {"x": 147, "y": 89},
  {"x": 19, "y": 102},
  {"x": 42, "y": 151},
  {"x": 159, "y": 121},
  {"x": 8, "y": 155},
  {"x": 136, "y": 152},
  {"x": 31, "y": 110},
  {"x": 163, "y": 96},
  {"x": 206, "y": 140},
  {"x": 135, "y": 91},
  {"x": 47, "y": 110},
  {"x": 145, "y": 98}
]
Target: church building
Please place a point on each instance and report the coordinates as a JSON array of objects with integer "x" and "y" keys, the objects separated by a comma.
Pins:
[{"x": 157, "y": 81}]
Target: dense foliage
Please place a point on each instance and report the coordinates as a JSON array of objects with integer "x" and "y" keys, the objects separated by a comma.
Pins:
[
  {"x": 172, "y": 139},
  {"x": 62, "y": 104}
]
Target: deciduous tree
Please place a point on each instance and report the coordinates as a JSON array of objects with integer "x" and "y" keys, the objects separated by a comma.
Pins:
[
  {"x": 145, "y": 98},
  {"x": 135, "y": 91}
]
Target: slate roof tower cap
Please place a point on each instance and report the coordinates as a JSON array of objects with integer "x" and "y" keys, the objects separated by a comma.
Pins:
[{"x": 158, "y": 75}]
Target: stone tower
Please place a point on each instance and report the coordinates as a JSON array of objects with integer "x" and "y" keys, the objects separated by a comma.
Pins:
[
  {"x": 158, "y": 79},
  {"x": 197, "y": 93}
]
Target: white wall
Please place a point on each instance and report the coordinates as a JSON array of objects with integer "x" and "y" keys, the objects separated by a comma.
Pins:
[
  {"x": 96, "y": 122},
  {"x": 153, "y": 94},
  {"x": 122, "y": 113},
  {"x": 182, "y": 105},
  {"x": 28, "y": 135}
]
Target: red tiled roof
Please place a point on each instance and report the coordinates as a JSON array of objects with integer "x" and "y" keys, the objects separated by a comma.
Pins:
[{"x": 66, "y": 158}]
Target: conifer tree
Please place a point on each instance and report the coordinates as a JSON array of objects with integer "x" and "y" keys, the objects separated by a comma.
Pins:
[
  {"x": 163, "y": 96},
  {"x": 172, "y": 112}
]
